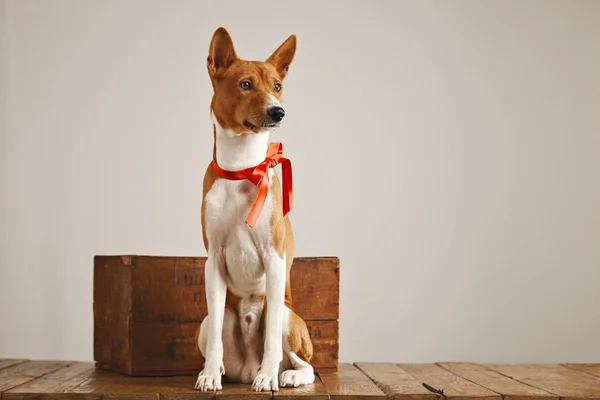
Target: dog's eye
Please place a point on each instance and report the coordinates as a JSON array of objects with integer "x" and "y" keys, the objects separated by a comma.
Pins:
[
  {"x": 246, "y": 85},
  {"x": 278, "y": 87}
]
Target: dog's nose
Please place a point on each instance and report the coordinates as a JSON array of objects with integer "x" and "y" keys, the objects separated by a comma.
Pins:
[{"x": 276, "y": 113}]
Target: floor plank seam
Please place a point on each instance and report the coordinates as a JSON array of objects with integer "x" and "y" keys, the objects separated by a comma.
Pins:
[
  {"x": 17, "y": 362},
  {"x": 439, "y": 393},
  {"x": 321, "y": 380},
  {"x": 524, "y": 383},
  {"x": 579, "y": 370},
  {"x": 503, "y": 396}
]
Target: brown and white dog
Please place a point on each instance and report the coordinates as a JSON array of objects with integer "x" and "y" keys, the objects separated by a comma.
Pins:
[{"x": 251, "y": 333}]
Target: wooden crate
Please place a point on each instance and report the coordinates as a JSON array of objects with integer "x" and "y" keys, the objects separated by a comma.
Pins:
[{"x": 147, "y": 310}]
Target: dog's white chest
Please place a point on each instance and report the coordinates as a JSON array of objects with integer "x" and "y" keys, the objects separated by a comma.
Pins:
[{"x": 243, "y": 248}]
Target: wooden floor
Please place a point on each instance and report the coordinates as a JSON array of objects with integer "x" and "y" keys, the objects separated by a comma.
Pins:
[{"x": 23, "y": 379}]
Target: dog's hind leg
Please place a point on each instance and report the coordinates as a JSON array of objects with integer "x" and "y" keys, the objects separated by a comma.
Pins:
[
  {"x": 233, "y": 357},
  {"x": 298, "y": 352}
]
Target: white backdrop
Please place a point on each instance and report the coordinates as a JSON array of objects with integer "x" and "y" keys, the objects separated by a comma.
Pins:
[{"x": 447, "y": 152}]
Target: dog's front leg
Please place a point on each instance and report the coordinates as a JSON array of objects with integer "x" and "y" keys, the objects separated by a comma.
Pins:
[
  {"x": 216, "y": 290},
  {"x": 267, "y": 378}
]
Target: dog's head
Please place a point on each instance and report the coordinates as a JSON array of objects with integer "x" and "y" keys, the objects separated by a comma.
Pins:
[{"x": 247, "y": 94}]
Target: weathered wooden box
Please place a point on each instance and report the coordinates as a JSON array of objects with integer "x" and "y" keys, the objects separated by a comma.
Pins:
[{"x": 147, "y": 310}]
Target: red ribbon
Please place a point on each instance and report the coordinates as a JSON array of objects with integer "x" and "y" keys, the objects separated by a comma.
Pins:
[{"x": 259, "y": 176}]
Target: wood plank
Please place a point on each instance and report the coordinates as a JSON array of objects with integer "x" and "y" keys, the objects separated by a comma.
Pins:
[
  {"x": 312, "y": 391},
  {"x": 324, "y": 336},
  {"x": 507, "y": 387},
  {"x": 136, "y": 388},
  {"x": 315, "y": 284},
  {"x": 394, "y": 382},
  {"x": 9, "y": 362},
  {"x": 112, "y": 311},
  {"x": 351, "y": 384},
  {"x": 453, "y": 386},
  {"x": 182, "y": 388},
  {"x": 34, "y": 369},
  {"x": 89, "y": 386},
  {"x": 592, "y": 369},
  {"x": 53, "y": 383},
  {"x": 21, "y": 373},
  {"x": 565, "y": 382},
  {"x": 238, "y": 391},
  {"x": 8, "y": 382}
]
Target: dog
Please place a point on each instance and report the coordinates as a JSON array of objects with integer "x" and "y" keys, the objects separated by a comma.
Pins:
[{"x": 251, "y": 333}]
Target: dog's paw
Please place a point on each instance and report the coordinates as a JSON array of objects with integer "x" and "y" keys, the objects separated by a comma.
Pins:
[
  {"x": 210, "y": 379},
  {"x": 295, "y": 378},
  {"x": 266, "y": 379}
]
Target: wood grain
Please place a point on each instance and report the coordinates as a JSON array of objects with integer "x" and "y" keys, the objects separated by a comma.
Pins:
[
  {"x": 63, "y": 380},
  {"x": 112, "y": 311},
  {"x": 453, "y": 386},
  {"x": 324, "y": 336},
  {"x": 235, "y": 391},
  {"x": 51, "y": 384},
  {"x": 182, "y": 388},
  {"x": 313, "y": 391},
  {"x": 21, "y": 373},
  {"x": 592, "y": 369},
  {"x": 350, "y": 383},
  {"x": 170, "y": 349},
  {"x": 171, "y": 289},
  {"x": 394, "y": 382},
  {"x": 89, "y": 386},
  {"x": 147, "y": 310},
  {"x": 507, "y": 387},
  {"x": 164, "y": 349},
  {"x": 5, "y": 363},
  {"x": 565, "y": 382},
  {"x": 315, "y": 283},
  {"x": 135, "y": 388}
]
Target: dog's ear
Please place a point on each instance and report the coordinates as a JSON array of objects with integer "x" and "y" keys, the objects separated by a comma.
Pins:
[
  {"x": 221, "y": 52},
  {"x": 283, "y": 56}
]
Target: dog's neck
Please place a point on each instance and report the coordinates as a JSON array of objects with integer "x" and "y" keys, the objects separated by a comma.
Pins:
[{"x": 235, "y": 152}]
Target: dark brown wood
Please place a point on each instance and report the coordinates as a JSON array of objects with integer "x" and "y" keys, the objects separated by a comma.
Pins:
[
  {"x": 163, "y": 388},
  {"x": 313, "y": 391},
  {"x": 235, "y": 391},
  {"x": 350, "y": 383},
  {"x": 394, "y": 382},
  {"x": 315, "y": 283},
  {"x": 164, "y": 349},
  {"x": 171, "y": 289},
  {"x": 452, "y": 386},
  {"x": 89, "y": 386},
  {"x": 182, "y": 388},
  {"x": 21, "y": 373},
  {"x": 325, "y": 339},
  {"x": 147, "y": 310},
  {"x": 507, "y": 387},
  {"x": 170, "y": 349},
  {"x": 565, "y": 382},
  {"x": 112, "y": 312},
  {"x": 592, "y": 369}
]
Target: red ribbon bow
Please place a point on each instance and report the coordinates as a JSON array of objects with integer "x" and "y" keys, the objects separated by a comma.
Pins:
[{"x": 259, "y": 176}]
